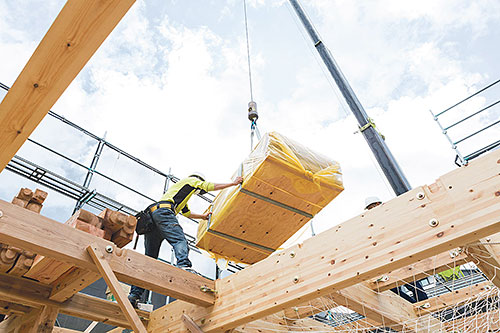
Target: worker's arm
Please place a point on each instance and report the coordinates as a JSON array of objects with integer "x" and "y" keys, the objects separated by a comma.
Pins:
[
  {"x": 237, "y": 181},
  {"x": 199, "y": 216}
]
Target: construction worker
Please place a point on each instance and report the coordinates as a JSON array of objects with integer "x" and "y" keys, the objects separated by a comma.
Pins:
[
  {"x": 167, "y": 227},
  {"x": 415, "y": 287}
]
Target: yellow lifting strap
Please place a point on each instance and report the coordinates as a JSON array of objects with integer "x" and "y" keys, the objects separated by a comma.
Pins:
[{"x": 371, "y": 123}]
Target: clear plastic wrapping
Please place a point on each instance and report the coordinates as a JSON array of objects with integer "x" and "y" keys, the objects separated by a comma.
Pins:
[{"x": 285, "y": 184}]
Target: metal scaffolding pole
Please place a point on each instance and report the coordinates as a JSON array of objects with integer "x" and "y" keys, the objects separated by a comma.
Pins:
[
  {"x": 90, "y": 173},
  {"x": 384, "y": 157}
]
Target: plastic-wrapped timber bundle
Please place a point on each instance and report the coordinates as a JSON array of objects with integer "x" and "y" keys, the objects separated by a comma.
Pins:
[{"x": 285, "y": 185}]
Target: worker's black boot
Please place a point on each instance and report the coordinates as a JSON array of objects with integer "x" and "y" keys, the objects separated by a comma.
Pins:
[
  {"x": 134, "y": 299},
  {"x": 190, "y": 270}
]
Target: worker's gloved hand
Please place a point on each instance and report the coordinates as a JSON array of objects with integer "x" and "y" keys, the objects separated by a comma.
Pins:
[
  {"x": 238, "y": 180},
  {"x": 205, "y": 216}
]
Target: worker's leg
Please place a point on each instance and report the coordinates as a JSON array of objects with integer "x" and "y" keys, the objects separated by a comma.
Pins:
[
  {"x": 152, "y": 243},
  {"x": 170, "y": 229}
]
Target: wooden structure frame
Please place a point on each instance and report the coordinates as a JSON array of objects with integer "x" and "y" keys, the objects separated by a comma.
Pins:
[{"x": 462, "y": 207}]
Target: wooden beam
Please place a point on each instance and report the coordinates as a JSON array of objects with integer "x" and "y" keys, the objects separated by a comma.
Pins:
[
  {"x": 34, "y": 294},
  {"x": 113, "y": 284},
  {"x": 8, "y": 308},
  {"x": 43, "y": 321},
  {"x": 35, "y": 321},
  {"x": 460, "y": 207},
  {"x": 486, "y": 256},
  {"x": 77, "y": 32},
  {"x": 191, "y": 325},
  {"x": 116, "y": 330},
  {"x": 278, "y": 323},
  {"x": 64, "y": 330},
  {"x": 419, "y": 270},
  {"x": 72, "y": 282},
  {"x": 30, "y": 231},
  {"x": 386, "y": 309},
  {"x": 472, "y": 293},
  {"x": 10, "y": 324}
]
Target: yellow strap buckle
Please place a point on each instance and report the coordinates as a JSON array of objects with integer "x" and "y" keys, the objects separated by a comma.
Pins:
[{"x": 370, "y": 123}]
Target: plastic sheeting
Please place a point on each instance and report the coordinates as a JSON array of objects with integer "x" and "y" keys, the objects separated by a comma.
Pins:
[{"x": 285, "y": 184}]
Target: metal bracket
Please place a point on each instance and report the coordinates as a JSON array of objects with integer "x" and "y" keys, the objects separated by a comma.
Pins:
[{"x": 206, "y": 289}]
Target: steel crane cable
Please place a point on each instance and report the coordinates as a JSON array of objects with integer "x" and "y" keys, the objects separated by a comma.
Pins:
[
  {"x": 252, "y": 106},
  {"x": 248, "y": 50}
]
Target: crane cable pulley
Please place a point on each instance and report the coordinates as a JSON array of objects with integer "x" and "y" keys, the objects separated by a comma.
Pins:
[{"x": 253, "y": 115}]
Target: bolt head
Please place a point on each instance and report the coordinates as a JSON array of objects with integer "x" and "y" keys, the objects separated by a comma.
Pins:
[
  {"x": 292, "y": 254},
  {"x": 420, "y": 195},
  {"x": 433, "y": 222},
  {"x": 295, "y": 279},
  {"x": 109, "y": 249}
]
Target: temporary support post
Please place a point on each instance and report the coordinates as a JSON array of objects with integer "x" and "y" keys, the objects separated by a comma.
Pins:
[
  {"x": 461, "y": 207},
  {"x": 116, "y": 289},
  {"x": 78, "y": 31},
  {"x": 387, "y": 162}
]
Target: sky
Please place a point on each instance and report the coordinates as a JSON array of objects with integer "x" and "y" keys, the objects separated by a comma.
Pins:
[{"x": 170, "y": 86}]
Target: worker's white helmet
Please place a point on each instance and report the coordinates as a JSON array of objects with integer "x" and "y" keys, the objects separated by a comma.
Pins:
[
  {"x": 198, "y": 175},
  {"x": 372, "y": 201}
]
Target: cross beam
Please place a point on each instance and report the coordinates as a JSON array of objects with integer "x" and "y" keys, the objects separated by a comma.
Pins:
[
  {"x": 30, "y": 231},
  {"x": 459, "y": 208},
  {"x": 35, "y": 295}
]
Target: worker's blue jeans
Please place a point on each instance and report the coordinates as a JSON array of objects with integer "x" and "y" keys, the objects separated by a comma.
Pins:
[{"x": 166, "y": 226}]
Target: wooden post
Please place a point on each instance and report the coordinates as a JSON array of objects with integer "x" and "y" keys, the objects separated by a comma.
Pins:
[
  {"x": 116, "y": 289},
  {"x": 43, "y": 322}
]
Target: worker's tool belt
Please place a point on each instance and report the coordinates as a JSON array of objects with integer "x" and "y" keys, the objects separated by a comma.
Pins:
[{"x": 162, "y": 204}]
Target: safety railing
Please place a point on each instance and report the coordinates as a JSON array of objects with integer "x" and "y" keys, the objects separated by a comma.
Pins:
[{"x": 465, "y": 116}]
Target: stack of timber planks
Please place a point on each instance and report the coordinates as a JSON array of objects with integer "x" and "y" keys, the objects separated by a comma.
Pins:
[
  {"x": 285, "y": 185},
  {"x": 110, "y": 225},
  {"x": 13, "y": 260}
]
